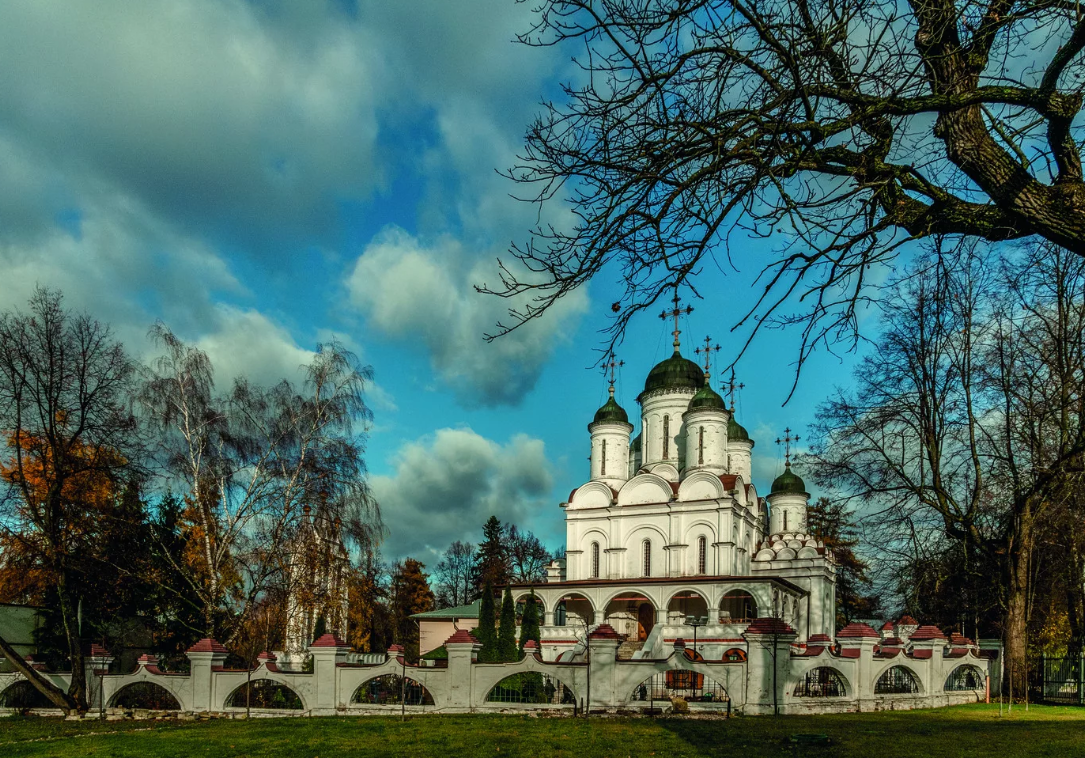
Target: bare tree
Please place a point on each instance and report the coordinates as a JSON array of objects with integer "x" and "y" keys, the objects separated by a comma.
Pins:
[
  {"x": 526, "y": 555},
  {"x": 454, "y": 575},
  {"x": 249, "y": 462},
  {"x": 64, "y": 410},
  {"x": 837, "y": 128},
  {"x": 967, "y": 419}
]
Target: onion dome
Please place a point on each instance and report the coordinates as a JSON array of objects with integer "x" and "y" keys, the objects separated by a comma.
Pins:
[
  {"x": 611, "y": 413},
  {"x": 788, "y": 483},
  {"x": 675, "y": 373},
  {"x": 736, "y": 431},
  {"x": 706, "y": 398}
]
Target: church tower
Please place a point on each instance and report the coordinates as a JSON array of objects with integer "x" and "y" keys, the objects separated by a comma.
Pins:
[
  {"x": 610, "y": 431},
  {"x": 705, "y": 423},
  {"x": 788, "y": 498}
]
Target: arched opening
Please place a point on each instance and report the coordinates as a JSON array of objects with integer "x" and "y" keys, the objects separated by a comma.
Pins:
[
  {"x": 646, "y": 558},
  {"x": 153, "y": 697},
  {"x": 531, "y": 687},
  {"x": 734, "y": 655},
  {"x": 264, "y": 693},
  {"x": 738, "y": 605},
  {"x": 702, "y": 555},
  {"x": 632, "y": 615},
  {"x": 686, "y": 605},
  {"x": 821, "y": 682},
  {"x": 966, "y": 678},
  {"x": 594, "y": 565},
  {"x": 22, "y": 695},
  {"x": 688, "y": 685},
  {"x": 574, "y": 610},
  {"x": 391, "y": 689},
  {"x": 896, "y": 681}
]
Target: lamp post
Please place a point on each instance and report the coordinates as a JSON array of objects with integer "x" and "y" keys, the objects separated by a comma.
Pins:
[{"x": 695, "y": 621}]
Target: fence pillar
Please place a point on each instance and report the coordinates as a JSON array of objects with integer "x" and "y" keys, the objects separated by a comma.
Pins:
[
  {"x": 205, "y": 658},
  {"x": 96, "y": 666},
  {"x": 327, "y": 651},
  {"x": 1081, "y": 677}
]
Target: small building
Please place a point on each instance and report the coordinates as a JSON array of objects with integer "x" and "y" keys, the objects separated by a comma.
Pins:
[
  {"x": 17, "y": 625},
  {"x": 434, "y": 627}
]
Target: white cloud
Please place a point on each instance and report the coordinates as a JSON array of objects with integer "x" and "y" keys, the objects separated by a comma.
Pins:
[
  {"x": 247, "y": 343},
  {"x": 407, "y": 288},
  {"x": 447, "y": 484}
]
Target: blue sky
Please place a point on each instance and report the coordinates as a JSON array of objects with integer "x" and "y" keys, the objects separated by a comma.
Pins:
[{"x": 266, "y": 175}]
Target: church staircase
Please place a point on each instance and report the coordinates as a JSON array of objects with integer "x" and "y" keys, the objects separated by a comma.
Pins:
[{"x": 627, "y": 648}]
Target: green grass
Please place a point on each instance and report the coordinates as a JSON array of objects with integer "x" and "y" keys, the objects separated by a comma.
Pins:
[{"x": 964, "y": 731}]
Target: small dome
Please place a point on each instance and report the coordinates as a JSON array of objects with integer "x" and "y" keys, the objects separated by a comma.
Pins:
[
  {"x": 675, "y": 373},
  {"x": 736, "y": 431},
  {"x": 788, "y": 483},
  {"x": 611, "y": 413},
  {"x": 706, "y": 398}
]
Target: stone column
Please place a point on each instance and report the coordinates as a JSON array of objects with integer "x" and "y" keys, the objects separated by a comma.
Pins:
[
  {"x": 96, "y": 666},
  {"x": 462, "y": 653},
  {"x": 327, "y": 651},
  {"x": 603, "y": 645},
  {"x": 205, "y": 657},
  {"x": 769, "y": 648},
  {"x": 857, "y": 642}
]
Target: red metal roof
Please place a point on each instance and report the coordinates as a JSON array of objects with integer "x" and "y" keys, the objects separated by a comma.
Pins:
[
  {"x": 465, "y": 637},
  {"x": 208, "y": 645},
  {"x": 857, "y": 630},
  {"x": 927, "y": 632},
  {"x": 329, "y": 640},
  {"x": 769, "y": 626}
]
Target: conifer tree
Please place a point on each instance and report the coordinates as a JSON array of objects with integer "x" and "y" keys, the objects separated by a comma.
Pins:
[
  {"x": 506, "y": 633},
  {"x": 529, "y": 624},
  {"x": 493, "y": 559},
  {"x": 485, "y": 633}
]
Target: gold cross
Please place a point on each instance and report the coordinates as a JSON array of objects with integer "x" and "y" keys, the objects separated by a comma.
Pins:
[
  {"x": 610, "y": 367},
  {"x": 786, "y": 442},
  {"x": 674, "y": 313},
  {"x": 731, "y": 387},
  {"x": 708, "y": 349}
]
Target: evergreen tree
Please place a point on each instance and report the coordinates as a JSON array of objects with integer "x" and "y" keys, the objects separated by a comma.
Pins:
[
  {"x": 320, "y": 628},
  {"x": 529, "y": 624},
  {"x": 506, "y": 633},
  {"x": 493, "y": 558},
  {"x": 486, "y": 632},
  {"x": 831, "y": 523},
  {"x": 410, "y": 594}
]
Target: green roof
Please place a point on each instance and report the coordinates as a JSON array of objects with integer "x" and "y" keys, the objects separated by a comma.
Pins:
[
  {"x": 736, "y": 431},
  {"x": 611, "y": 413},
  {"x": 459, "y": 612},
  {"x": 706, "y": 398},
  {"x": 674, "y": 373},
  {"x": 788, "y": 483}
]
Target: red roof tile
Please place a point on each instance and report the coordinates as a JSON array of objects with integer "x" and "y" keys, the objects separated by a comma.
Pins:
[
  {"x": 769, "y": 626},
  {"x": 857, "y": 630},
  {"x": 820, "y": 638},
  {"x": 208, "y": 645},
  {"x": 926, "y": 633},
  {"x": 463, "y": 636},
  {"x": 887, "y": 626},
  {"x": 604, "y": 632},
  {"x": 907, "y": 621},
  {"x": 266, "y": 656},
  {"x": 329, "y": 640}
]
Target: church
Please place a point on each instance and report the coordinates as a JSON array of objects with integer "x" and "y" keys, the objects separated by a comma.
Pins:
[{"x": 670, "y": 539}]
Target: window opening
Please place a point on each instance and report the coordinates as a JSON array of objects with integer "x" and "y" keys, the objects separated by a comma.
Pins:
[
  {"x": 646, "y": 550},
  {"x": 604, "y": 472},
  {"x": 702, "y": 555},
  {"x": 821, "y": 682},
  {"x": 666, "y": 437},
  {"x": 700, "y": 446},
  {"x": 595, "y": 560}
]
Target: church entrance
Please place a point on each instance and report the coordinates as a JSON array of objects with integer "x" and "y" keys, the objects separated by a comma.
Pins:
[{"x": 646, "y": 619}]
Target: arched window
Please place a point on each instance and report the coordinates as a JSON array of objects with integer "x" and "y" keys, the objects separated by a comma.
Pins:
[
  {"x": 148, "y": 695},
  {"x": 604, "y": 471},
  {"x": 595, "y": 560},
  {"x": 896, "y": 681},
  {"x": 700, "y": 446},
  {"x": 666, "y": 437},
  {"x": 391, "y": 689},
  {"x": 785, "y": 521},
  {"x": 531, "y": 687},
  {"x": 646, "y": 555},
  {"x": 965, "y": 678},
  {"x": 264, "y": 693},
  {"x": 821, "y": 682},
  {"x": 23, "y": 694},
  {"x": 702, "y": 555}
]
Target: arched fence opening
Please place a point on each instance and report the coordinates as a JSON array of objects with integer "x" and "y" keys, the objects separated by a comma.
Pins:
[
  {"x": 896, "y": 681},
  {"x": 22, "y": 695},
  {"x": 153, "y": 697},
  {"x": 531, "y": 687},
  {"x": 391, "y": 689},
  {"x": 264, "y": 693},
  {"x": 734, "y": 655},
  {"x": 965, "y": 678},
  {"x": 821, "y": 682},
  {"x": 680, "y": 683}
]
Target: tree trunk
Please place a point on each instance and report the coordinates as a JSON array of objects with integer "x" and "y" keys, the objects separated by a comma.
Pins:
[
  {"x": 1017, "y": 581},
  {"x": 40, "y": 683},
  {"x": 77, "y": 690}
]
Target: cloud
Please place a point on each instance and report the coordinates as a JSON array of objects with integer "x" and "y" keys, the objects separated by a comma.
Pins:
[
  {"x": 410, "y": 288},
  {"x": 247, "y": 343},
  {"x": 447, "y": 484}
]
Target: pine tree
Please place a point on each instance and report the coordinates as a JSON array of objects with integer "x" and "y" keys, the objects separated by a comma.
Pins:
[
  {"x": 506, "y": 633},
  {"x": 410, "y": 594},
  {"x": 493, "y": 559},
  {"x": 486, "y": 632},
  {"x": 529, "y": 624}
]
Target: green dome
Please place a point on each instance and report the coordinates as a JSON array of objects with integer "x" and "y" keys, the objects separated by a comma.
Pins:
[
  {"x": 788, "y": 483},
  {"x": 611, "y": 413},
  {"x": 675, "y": 373},
  {"x": 706, "y": 397},
  {"x": 736, "y": 431}
]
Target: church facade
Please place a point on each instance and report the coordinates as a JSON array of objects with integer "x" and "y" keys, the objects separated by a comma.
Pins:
[{"x": 670, "y": 538}]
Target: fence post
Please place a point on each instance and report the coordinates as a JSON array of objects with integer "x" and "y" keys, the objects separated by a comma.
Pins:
[
  {"x": 1081, "y": 677},
  {"x": 1043, "y": 676}
]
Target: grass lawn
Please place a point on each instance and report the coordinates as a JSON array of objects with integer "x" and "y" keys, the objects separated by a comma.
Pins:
[{"x": 971, "y": 730}]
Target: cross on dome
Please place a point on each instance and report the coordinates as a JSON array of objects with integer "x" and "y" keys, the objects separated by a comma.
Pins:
[
  {"x": 786, "y": 441},
  {"x": 674, "y": 313},
  {"x": 707, "y": 350},
  {"x": 731, "y": 387},
  {"x": 609, "y": 367}
]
